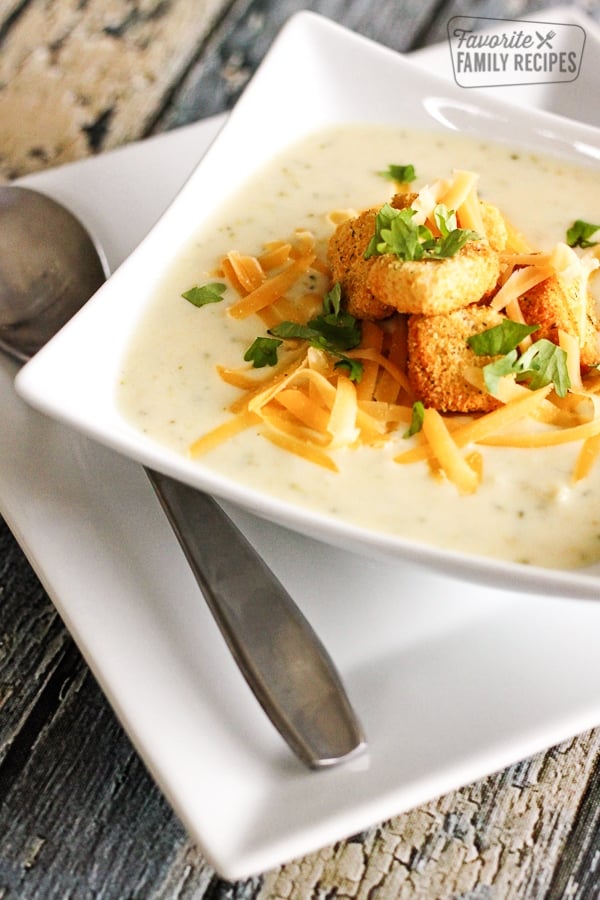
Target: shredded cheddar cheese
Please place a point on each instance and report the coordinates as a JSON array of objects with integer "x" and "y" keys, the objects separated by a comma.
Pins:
[{"x": 311, "y": 403}]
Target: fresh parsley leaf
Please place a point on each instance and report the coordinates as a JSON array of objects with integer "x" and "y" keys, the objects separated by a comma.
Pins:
[
  {"x": 501, "y": 338},
  {"x": 416, "y": 421},
  {"x": 452, "y": 238},
  {"x": 292, "y": 331},
  {"x": 326, "y": 332},
  {"x": 545, "y": 363},
  {"x": 451, "y": 244},
  {"x": 332, "y": 302},
  {"x": 202, "y": 294},
  {"x": 383, "y": 220},
  {"x": 542, "y": 363},
  {"x": 494, "y": 371},
  {"x": 580, "y": 232},
  {"x": 445, "y": 219},
  {"x": 354, "y": 366},
  {"x": 262, "y": 352},
  {"x": 341, "y": 332},
  {"x": 397, "y": 233},
  {"x": 333, "y": 329},
  {"x": 401, "y": 174}
]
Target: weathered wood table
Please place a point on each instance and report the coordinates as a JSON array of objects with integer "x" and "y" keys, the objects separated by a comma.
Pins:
[{"x": 79, "y": 815}]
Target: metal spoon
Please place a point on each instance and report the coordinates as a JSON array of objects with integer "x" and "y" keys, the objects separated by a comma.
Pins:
[{"x": 49, "y": 267}]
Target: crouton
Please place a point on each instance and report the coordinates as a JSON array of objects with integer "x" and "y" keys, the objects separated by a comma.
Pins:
[
  {"x": 438, "y": 354},
  {"x": 377, "y": 287},
  {"x": 555, "y": 305},
  {"x": 345, "y": 254},
  {"x": 433, "y": 287},
  {"x": 403, "y": 200}
]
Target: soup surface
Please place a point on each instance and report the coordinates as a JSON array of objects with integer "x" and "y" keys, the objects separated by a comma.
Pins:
[{"x": 527, "y": 507}]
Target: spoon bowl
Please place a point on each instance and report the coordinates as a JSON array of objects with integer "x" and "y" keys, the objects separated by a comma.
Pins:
[{"x": 49, "y": 267}]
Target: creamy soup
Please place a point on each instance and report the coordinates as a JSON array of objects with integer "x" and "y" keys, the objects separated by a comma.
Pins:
[{"x": 526, "y": 509}]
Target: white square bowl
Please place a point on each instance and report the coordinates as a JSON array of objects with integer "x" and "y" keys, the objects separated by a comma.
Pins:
[{"x": 315, "y": 75}]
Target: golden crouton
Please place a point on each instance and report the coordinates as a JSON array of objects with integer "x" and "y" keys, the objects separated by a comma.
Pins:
[
  {"x": 345, "y": 255},
  {"x": 438, "y": 354},
  {"x": 403, "y": 200},
  {"x": 435, "y": 286},
  {"x": 555, "y": 305}
]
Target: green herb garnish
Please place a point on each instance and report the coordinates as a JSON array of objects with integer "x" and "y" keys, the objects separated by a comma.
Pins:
[
  {"x": 416, "y": 421},
  {"x": 333, "y": 330},
  {"x": 262, "y": 352},
  {"x": 580, "y": 232},
  {"x": 543, "y": 363},
  {"x": 332, "y": 301},
  {"x": 202, "y": 294},
  {"x": 501, "y": 338},
  {"x": 401, "y": 174},
  {"x": 397, "y": 233},
  {"x": 496, "y": 370},
  {"x": 354, "y": 367}
]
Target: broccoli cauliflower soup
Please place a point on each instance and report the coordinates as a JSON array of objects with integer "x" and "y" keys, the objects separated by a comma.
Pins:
[{"x": 396, "y": 329}]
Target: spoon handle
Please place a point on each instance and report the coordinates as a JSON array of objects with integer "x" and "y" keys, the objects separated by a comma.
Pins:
[{"x": 276, "y": 649}]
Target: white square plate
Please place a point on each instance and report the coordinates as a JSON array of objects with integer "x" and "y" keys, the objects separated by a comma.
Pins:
[
  {"x": 452, "y": 682},
  {"x": 94, "y": 343}
]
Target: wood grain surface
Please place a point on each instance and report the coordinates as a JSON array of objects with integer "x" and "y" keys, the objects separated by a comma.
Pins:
[{"x": 79, "y": 815}]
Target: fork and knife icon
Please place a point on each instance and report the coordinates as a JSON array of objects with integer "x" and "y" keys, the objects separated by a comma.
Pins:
[{"x": 544, "y": 40}]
